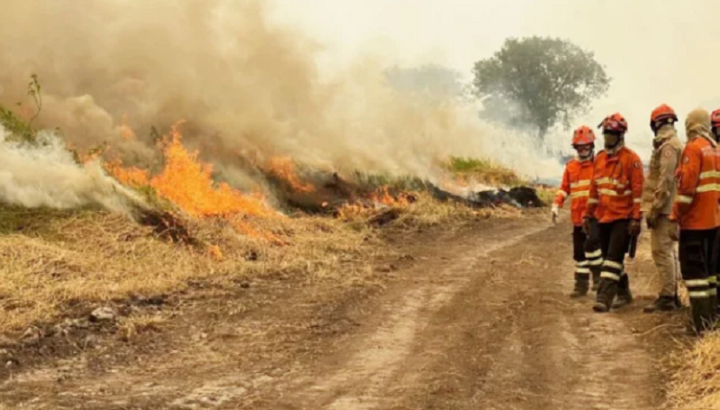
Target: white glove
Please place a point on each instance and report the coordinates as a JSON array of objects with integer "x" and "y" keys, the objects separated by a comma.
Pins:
[{"x": 555, "y": 212}]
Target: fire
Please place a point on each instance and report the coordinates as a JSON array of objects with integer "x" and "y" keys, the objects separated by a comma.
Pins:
[
  {"x": 129, "y": 176},
  {"x": 187, "y": 182},
  {"x": 283, "y": 168},
  {"x": 383, "y": 196}
]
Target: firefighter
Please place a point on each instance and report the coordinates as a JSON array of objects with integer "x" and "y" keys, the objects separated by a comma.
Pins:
[
  {"x": 658, "y": 198},
  {"x": 615, "y": 200},
  {"x": 576, "y": 185},
  {"x": 698, "y": 215}
]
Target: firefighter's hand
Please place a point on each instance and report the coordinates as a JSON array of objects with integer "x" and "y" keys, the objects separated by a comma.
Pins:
[
  {"x": 634, "y": 227},
  {"x": 674, "y": 231},
  {"x": 554, "y": 213},
  {"x": 651, "y": 220},
  {"x": 586, "y": 226}
]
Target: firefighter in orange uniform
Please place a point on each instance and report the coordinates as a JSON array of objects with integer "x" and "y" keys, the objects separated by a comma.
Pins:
[
  {"x": 698, "y": 215},
  {"x": 576, "y": 185},
  {"x": 713, "y": 280},
  {"x": 615, "y": 200}
]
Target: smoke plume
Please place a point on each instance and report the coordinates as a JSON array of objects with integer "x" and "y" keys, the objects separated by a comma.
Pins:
[
  {"x": 48, "y": 176},
  {"x": 245, "y": 87}
]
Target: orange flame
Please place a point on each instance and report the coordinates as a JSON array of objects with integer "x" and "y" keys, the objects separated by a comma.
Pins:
[
  {"x": 188, "y": 183},
  {"x": 383, "y": 196},
  {"x": 284, "y": 168}
]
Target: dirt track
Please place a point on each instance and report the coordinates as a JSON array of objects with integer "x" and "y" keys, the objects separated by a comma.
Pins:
[{"x": 472, "y": 320}]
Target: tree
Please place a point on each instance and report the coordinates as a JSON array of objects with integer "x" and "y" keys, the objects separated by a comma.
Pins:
[
  {"x": 430, "y": 80},
  {"x": 538, "y": 82}
]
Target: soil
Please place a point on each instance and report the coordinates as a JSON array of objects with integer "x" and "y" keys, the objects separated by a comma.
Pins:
[{"x": 477, "y": 318}]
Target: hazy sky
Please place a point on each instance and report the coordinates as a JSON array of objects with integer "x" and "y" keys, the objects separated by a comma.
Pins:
[{"x": 655, "y": 51}]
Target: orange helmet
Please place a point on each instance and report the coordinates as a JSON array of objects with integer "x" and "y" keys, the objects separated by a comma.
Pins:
[
  {"x": 715, "y": 118},
  {"x": 583, "y": 136},
  {"x": 662, "y": 115},
  {"x": 614, "y": 124}
]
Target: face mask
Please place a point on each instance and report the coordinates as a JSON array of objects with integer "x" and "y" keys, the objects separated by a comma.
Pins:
[
  {"x": 584, "y": 152},
  {"x": 611, "y": 140}
]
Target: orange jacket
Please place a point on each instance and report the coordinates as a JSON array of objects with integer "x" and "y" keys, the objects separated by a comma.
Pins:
[
  {"x": 616, "y": 188},
  {"x": 576, "y": 185},
  {"x": 698, "y": 176}
]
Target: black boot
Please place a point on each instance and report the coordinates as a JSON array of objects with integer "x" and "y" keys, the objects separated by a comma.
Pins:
[
  {"x": 606, "y": 293},
  {"x": 624, "y": 296},
  {"x": 662, "y": 304},
  {"x": 701, "y": 315},
  {"x": 582, "y": 283},
  {"x": 595, "y": 277}
]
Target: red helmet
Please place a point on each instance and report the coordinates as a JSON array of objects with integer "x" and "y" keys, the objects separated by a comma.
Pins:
[
  {"x": 663, "y": 112},
  {"x": 715, "y": 118},
  {"x": 662, "y": 115},
  {"x": 583, "y": 136},
  {"x": 614, "y": 123}
]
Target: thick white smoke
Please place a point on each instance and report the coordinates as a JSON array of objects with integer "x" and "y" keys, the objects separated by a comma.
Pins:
[{"x": 48, "y": 176}]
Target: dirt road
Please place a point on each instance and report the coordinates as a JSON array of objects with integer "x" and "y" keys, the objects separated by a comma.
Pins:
[{"x": 471, "y": 320}]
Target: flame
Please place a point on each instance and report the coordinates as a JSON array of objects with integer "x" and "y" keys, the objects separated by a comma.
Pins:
[
  {"x": 383, "y": 196},
  {"x": 187, "y": 182},
  {"x": 129, "y": 176},
  {"x": 283, "y": 168}
]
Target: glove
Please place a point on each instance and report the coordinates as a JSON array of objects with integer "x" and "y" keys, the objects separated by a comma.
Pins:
[
  {"x": 651, "y": 220},
  {"x": 586, "y": 225},
  {"x": 554, "y": 213},
  {"x": 674, "y": 231},
  {"x": 634, "y": 227}
]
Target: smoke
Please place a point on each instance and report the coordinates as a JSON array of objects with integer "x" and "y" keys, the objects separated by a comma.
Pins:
[
  {"x": 48, "y": 176},
  {"x": 246, "y": 88}
]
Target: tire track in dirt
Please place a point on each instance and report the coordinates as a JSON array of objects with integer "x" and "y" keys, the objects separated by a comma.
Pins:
[{"x": 360, "y": 382}]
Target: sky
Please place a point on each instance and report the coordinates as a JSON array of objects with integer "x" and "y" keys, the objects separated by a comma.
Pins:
[{"x": 655, "y": 51}]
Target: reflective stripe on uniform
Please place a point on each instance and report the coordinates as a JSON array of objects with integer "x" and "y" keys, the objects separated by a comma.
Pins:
[
  {"x": 637, "y": 200},
  {"x": 593, "y": 254},
  {"x": 709, "y": 174},
  {"x": 562, "y": 193},
  {"x": 581, "y": 264},
  {"x": 696, "y": 283},
  {"x": 610, "y": 192},
  {"x": 713, "y": 280},
  {"x": 593, "y": 201},
  {"x": 580, "y": 194},
  {"x": 708, "y": 188},
  {"x": 582, "y": 270},
  {"x": 610, "y": 275},
  {"x": 712, "y": 292},
  {"x": 699, "y": 294},
  {"x": 684, "y": 199},
  {"x": 596, "y": 262},
  {"x": 581, "y": 183},
  {"x": 611, "y": 264}
]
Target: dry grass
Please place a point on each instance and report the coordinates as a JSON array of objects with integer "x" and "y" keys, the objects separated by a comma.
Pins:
[
  {"x": 696, "y": 385},
  {"x": 94, "y": 257}
]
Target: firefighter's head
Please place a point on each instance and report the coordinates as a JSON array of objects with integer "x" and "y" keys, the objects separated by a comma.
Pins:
[
  {"x": 661, "y": 116},
  {"x": 584, "y": 142},
  {"x": 715, "y": 124},
  {"x": 613, "y": 128}
]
